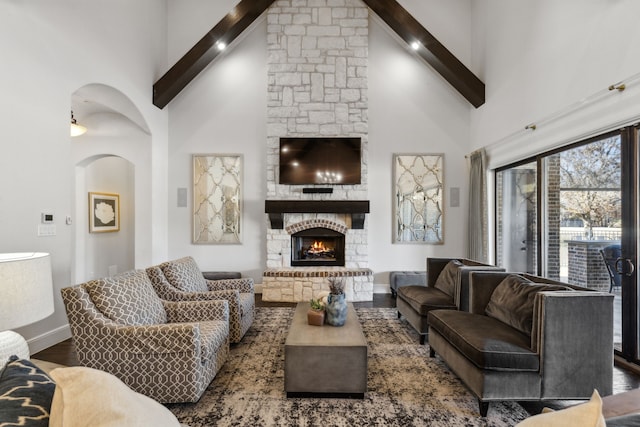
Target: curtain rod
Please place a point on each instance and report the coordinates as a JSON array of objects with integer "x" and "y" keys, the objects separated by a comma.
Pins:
[{"x": 571, "y": 108}]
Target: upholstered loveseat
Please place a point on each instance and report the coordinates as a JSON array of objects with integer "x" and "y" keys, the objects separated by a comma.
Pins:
[
  {"x": 527, "y": 338},
  {"x": 447, "y": 288},
  {"x": 182, "y": 280},
  {"x": 169, "y": 351}
]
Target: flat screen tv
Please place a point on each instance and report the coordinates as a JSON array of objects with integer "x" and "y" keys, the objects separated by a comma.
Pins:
[{"x": 320, "y": 160}]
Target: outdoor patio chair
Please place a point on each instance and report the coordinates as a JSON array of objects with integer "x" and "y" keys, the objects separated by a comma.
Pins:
[{"x": 610, "y": 255}]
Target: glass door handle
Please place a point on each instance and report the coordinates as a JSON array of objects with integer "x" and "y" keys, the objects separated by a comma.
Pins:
[{"x": 632, "y": 268}]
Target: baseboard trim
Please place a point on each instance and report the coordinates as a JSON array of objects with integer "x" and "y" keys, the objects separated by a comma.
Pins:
[{"x": 49, "y": 339}]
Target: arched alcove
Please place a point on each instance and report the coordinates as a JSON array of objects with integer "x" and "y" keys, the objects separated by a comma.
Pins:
[{"x": 113, "y": 156}]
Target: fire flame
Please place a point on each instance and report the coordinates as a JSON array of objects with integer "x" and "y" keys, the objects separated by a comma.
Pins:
[{"x": 318, "y": 246}]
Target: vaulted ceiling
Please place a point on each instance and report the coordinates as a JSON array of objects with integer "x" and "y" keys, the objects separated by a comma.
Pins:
[{"x": 247, "y": 11}]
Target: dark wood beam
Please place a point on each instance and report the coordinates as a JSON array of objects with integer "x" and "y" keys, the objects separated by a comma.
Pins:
[
  {"x": 205, "y": 51},
  {"x": 431, "y": 50}
]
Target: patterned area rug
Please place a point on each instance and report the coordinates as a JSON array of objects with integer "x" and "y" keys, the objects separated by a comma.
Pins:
[{"x": 405, "y": 386}]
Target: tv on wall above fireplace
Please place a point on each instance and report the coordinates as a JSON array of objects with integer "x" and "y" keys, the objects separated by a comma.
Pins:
[{"x": 320, "y": 160}]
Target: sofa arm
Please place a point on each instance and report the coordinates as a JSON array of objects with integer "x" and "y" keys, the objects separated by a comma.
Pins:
[
  {"x": 196, "y": 311},
  {"x": 481, "y": 287},
  {"x": 244, "y": 285},
  {"x": 573, "y": 333},
  {"x": 462, "y": 297}
]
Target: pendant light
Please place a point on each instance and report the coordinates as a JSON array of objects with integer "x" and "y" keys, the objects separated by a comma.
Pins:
[{"x": 76, "y": 129}]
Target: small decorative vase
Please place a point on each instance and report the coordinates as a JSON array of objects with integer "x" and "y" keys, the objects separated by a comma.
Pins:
[
  {"x": 336, "y": 309},
  {"x": 315, "y": 317}
]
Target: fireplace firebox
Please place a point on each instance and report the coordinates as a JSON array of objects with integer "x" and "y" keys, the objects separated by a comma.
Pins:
[{"x": 317, "y": 247}]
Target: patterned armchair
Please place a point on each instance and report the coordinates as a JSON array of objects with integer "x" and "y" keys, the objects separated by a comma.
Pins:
[
  {"x": 182, "y": 280},
  {"x": 169, "y": 351}
]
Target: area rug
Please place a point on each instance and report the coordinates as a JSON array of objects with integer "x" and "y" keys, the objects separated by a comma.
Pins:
[{"x": 405, "y": 386}]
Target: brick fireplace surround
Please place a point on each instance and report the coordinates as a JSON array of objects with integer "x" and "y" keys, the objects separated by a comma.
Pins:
[{"x": 317, "y": 86}]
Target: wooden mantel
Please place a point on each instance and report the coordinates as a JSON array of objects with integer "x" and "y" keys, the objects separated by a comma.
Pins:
[{"x": 276, "y": 209}]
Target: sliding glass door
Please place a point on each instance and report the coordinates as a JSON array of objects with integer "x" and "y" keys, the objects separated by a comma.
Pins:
[
  {"x": 571, "y": 214},
  {"x": 517, "y": 211}
]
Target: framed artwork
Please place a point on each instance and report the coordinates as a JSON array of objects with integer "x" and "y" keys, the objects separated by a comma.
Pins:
[
  {"x": 418, "y": 198},
  {"x": 104, "y": 212},
  {"x": 217, "y": 198}
]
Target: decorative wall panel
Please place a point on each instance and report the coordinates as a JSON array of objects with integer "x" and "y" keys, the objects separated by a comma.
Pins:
[
  {"x": 217, "y": 202},
  {"x": 418, "y": 193}
]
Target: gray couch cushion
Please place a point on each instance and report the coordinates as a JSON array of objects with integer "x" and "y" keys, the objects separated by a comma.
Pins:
[
  {"x": 448, "y": 277},
  {"x": 127, "y": 298},
  {"x": 485, "y": 341},
  {"x": 423, "y": 299},
  {"x": 512, "y": 301}
]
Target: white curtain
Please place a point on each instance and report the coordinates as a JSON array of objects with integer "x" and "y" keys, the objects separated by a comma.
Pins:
[{"x": 477, "y": 235}]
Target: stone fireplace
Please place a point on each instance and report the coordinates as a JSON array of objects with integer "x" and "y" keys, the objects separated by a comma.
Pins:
[{"x": 317, "y": 86}]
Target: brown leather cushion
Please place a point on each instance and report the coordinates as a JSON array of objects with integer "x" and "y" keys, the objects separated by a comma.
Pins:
[
  {"x": 424, "y": 299},
  {"x": 485, "y": 341},
  {"x": 512, "y": 301},
  {"x": 448, "y": 278}
]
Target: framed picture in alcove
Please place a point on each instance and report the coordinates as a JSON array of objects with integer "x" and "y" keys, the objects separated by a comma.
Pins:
[
  {"x": 217, "y": 198},
  {"x": 104, "y": 212},
  {"x": 418, "y": 198}
]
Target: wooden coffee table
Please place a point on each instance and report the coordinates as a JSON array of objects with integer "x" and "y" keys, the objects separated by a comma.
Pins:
[{"x": 325, "y": 361}]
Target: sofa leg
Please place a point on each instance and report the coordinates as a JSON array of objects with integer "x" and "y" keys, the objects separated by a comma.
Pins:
[
  {"x": 484, "y": 407},
  {"x": 399, "y": 315},
  {"x": 422, "y": 339},
  {"x": 432, "y": 352}
]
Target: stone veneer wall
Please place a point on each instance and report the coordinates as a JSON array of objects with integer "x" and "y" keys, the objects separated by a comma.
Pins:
[{"x": 317, "y": 86}]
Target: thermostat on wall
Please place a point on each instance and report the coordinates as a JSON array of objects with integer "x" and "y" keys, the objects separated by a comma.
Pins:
[{"x": 47, "y": 218}]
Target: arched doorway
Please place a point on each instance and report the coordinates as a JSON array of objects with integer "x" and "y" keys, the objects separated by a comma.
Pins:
[{"x": 113, "y": 156}]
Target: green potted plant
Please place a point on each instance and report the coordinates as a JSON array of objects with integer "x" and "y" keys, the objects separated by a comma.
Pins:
[{"x": 315, "y": 315}]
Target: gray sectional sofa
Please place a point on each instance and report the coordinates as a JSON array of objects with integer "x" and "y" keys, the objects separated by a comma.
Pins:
[
  {"x": 447, "y": 287},
  {"x": 527, "y": 338}
]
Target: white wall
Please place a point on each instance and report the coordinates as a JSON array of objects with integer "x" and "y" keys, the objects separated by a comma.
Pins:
[
  {"x": 223, "y": 110},
  {"x": 539, "y": 58},
  {"x": 411, "y": 110},
  {"x": 49, "y": 49}
]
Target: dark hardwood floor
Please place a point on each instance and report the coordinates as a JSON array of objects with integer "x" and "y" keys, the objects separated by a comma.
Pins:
[{"x": 623, "y": 380}]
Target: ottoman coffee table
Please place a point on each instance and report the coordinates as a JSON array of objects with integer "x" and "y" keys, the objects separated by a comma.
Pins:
[{"x": 325, "y": 361}]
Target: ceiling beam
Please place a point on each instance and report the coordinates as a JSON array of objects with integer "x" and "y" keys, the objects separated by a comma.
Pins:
[
  {"x": 430, "y": 49},
  {"x": 247, "y": 11},
  {"x": 205, "y": 51}
]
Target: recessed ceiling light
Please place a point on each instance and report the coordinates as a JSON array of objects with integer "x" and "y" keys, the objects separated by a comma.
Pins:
[
  {"x": 415, "y": 45},
  {"x": 221, "y": 45}
]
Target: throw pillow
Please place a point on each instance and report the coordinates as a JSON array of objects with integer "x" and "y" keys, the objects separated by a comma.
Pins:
[
  {"x": 128, "y": 298},
  {"x": 448, "y": 278},
  {"x": 89, "y": 397},
  {"x": 512, "y": 301},
  {"x": 584, "y": 415},
  {"x": 185, "y": 275},
  {"x": 25, "y": 394}
]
